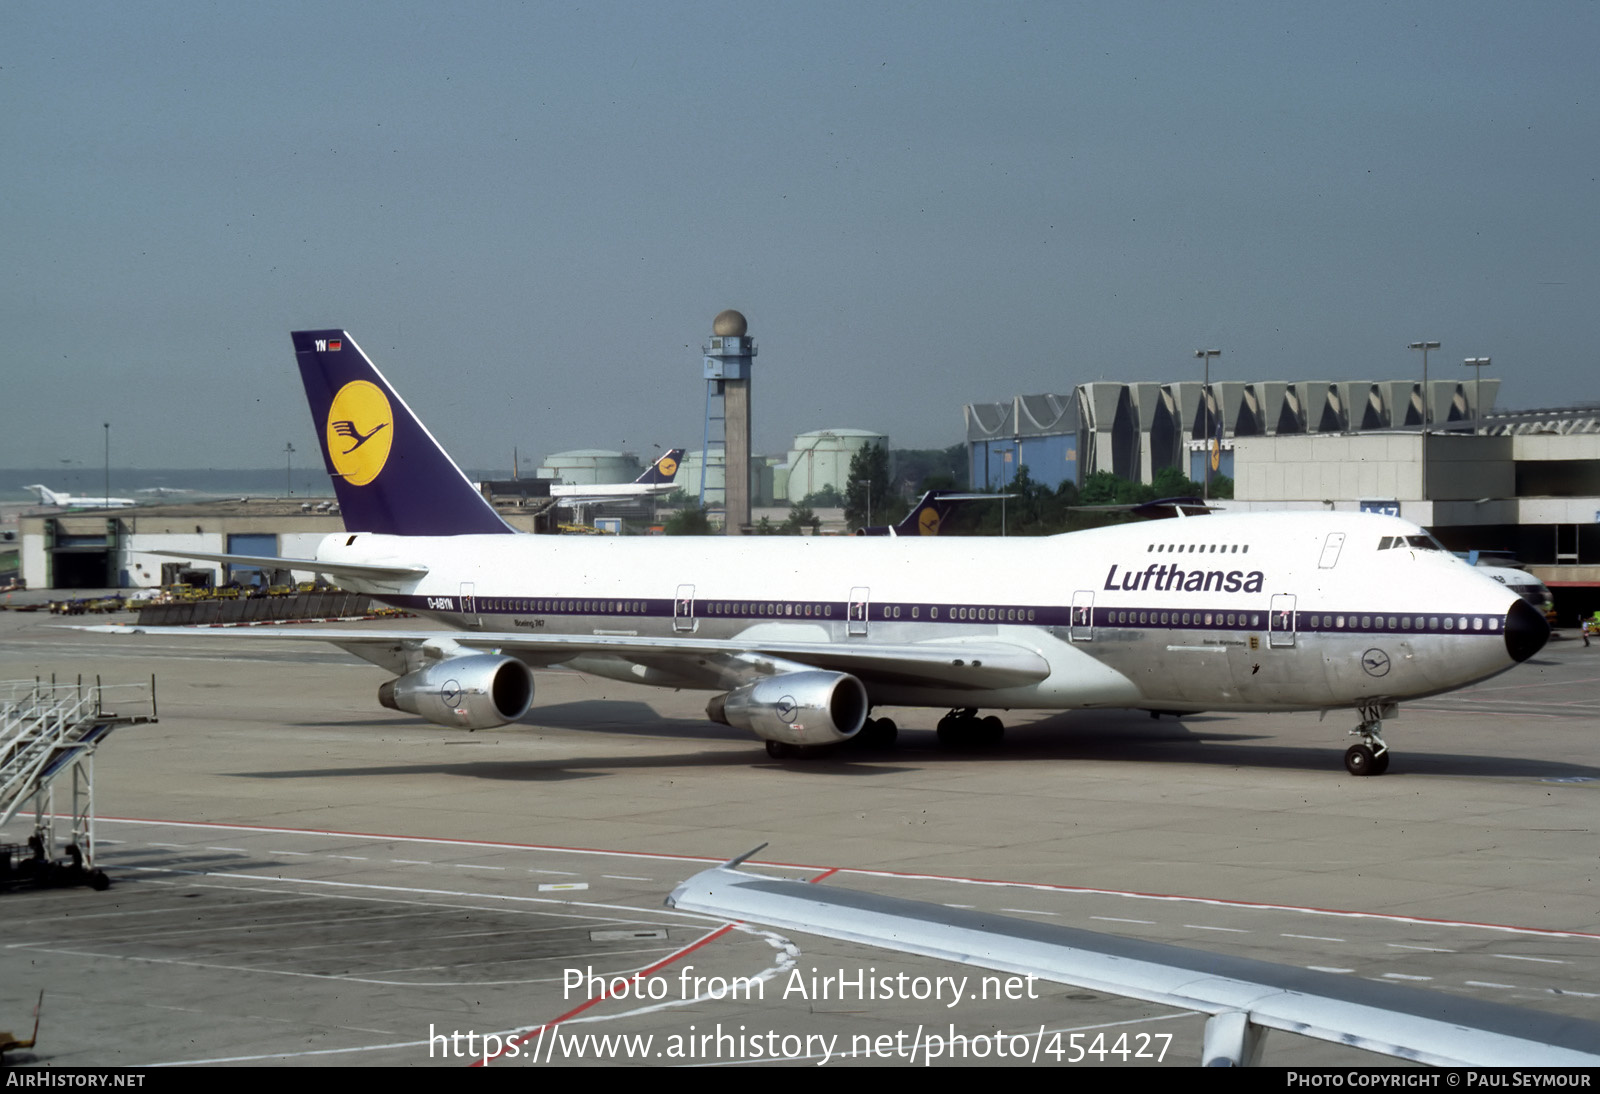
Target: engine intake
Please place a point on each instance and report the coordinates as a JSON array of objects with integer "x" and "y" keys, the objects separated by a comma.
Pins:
[
  {"x": 479, "y": 691},
  {"x": 796, "y": 708}
]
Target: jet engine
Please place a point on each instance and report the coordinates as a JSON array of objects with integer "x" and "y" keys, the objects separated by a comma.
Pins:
[
  {"x": 796, "y": 708},
  {"x": 478, "y": 691}
]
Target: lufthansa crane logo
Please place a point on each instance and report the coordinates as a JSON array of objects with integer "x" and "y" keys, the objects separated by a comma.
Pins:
[
  {"x": 360, "y": 432},
  {"x": 667, "y": 466},
  {"x": 928, "y": 522},
  {"x": 1375, "y": 662}
]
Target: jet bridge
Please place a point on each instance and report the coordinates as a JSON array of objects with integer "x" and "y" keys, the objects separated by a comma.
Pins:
[{"x": 48, "y": 733}]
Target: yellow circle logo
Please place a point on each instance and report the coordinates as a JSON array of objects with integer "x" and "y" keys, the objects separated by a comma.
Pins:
[
  {"x": 668, "y": 466},
  {"x": 928, "y": 521},
  {"x": 360, "y": 431}
]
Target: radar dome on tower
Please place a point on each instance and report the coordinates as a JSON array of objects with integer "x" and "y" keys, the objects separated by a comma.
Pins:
[{"x": 730, "y": 324}]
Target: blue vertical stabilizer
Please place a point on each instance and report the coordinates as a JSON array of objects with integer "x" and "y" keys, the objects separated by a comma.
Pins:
[{"x": 391, "y": 476}]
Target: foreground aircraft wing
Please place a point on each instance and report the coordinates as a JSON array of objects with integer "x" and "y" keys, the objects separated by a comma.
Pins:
[
  {"x": 335, "y": 569},
  {"x": 1245, "y": 997},
  {"x": 969, "y": 665}
]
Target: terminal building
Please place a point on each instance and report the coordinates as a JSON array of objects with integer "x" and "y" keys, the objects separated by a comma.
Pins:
[
  {"x": 1135, "y": 430},
  {"x": 1526, "y": 483}
]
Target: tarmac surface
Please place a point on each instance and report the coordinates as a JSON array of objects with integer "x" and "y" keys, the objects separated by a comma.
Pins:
[{"x": 301, "y": 877}]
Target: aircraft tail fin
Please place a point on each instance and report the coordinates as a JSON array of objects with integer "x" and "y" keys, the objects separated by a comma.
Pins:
[
  {"x": 391, "y": 476},
  {"x": 663, "y": 470},
  {"x": 928, "y": 515},
  {"x": 47, "y": 496},
  {"x": 925, "y": 517}
]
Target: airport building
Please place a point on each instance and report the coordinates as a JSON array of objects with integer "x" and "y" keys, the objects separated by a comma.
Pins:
[
  {"x": 590, "y": 467},
  {"x": 1525, "y": 483},
  {"x": 821, "y": 459},
  {"x": 1135, "y": 430},
  {"x": 111, "y": 549}
]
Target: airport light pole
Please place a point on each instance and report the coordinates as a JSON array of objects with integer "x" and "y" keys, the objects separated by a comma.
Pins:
[
  {"x": 108, "y": 465},
  {"x": 1424, "y": 347},
  {"x": 1205, "y": 401},
  {"x": 1477, "y": 364},
  {"x": 288, "y": 470}
]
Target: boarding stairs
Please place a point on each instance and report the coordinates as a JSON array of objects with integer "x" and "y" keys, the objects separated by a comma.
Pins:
[{"x": 49, "y": 731}]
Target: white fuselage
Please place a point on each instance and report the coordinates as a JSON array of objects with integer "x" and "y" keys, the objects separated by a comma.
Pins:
[
  {"x": 1255, "y": 611},
  {"x": 611, "y": 490}
]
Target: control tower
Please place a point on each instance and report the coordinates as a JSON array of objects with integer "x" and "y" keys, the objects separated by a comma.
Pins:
[{"x": 728, "y": 357}]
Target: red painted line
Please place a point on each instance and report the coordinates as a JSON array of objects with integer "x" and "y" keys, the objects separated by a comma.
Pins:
[
  {"x": 823, "y": 871},
  {"x": 516, "y": 1042},
  {"x": 829, "y": 872}
]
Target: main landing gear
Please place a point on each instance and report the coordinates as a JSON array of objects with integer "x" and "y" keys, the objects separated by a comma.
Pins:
[
  {"x": 878, "y": 733},
  {"x": 1371, "y": 757},
  {"x": 963, "y": 729}
]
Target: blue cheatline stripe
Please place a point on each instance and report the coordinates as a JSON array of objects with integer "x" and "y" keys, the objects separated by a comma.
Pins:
[{"x": 1252, "y": 618}]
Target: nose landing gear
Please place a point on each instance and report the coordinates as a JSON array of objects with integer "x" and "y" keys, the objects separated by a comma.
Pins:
[{"x": 1371, "y": 756}]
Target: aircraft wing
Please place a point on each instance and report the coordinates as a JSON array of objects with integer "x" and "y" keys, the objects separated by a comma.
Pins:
[
  {"x": 336, "y": 569},
  {"x": 1245, "y": 997},
  {"x": 976, "y": 665}
]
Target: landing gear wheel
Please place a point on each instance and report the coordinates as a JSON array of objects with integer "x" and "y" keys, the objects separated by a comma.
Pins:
[
  {"x": 1359, "y": 760},
  {"x": 778, "y": 750},
  {"x": 991, "y": 731},
  {"x": 1371, "y": 756},
  {"x": 952, "y": 731},
  {"x": 963, "y": 729},
  {"x": 878, "y": 733}
]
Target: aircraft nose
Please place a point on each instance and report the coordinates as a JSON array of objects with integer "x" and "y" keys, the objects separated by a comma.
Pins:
[{"x": 1526, "y": 631}]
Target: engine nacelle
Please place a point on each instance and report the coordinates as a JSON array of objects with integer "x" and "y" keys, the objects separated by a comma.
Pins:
[
  {"x": 796, "y": 708},
  {"x": 479, "y": 691}
]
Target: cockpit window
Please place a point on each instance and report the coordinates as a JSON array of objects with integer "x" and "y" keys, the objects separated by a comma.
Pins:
[{"x": 1416, "y": 543}]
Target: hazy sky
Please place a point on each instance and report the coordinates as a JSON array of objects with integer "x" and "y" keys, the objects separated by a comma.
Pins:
[{"x": 528, "y": 213}]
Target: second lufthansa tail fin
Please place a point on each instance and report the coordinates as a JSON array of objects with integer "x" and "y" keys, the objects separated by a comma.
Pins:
[
  {"x": 391, "y": 476},
  {"x": 663, "y": 470}
]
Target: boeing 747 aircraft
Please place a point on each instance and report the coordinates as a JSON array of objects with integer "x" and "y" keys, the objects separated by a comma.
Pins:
[
  {"x": 799, "y": 639},
  {"x": 656, "y": 479}
]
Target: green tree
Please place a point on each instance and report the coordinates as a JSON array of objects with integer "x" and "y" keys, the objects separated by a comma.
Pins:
[
  {"x": 1104, "y": 488},
  {"x": 923, "y": 469},
  {"x": 869, "y": 490},
  {"x": 826, "y": 498},
  {"x": 1172, "y": 483},
  {"x": 688, "y": 522},
  {"x": 800, "y": 518}
]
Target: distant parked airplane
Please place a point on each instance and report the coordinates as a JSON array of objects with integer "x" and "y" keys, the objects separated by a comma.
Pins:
[{"x": 48, "y": 496}]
